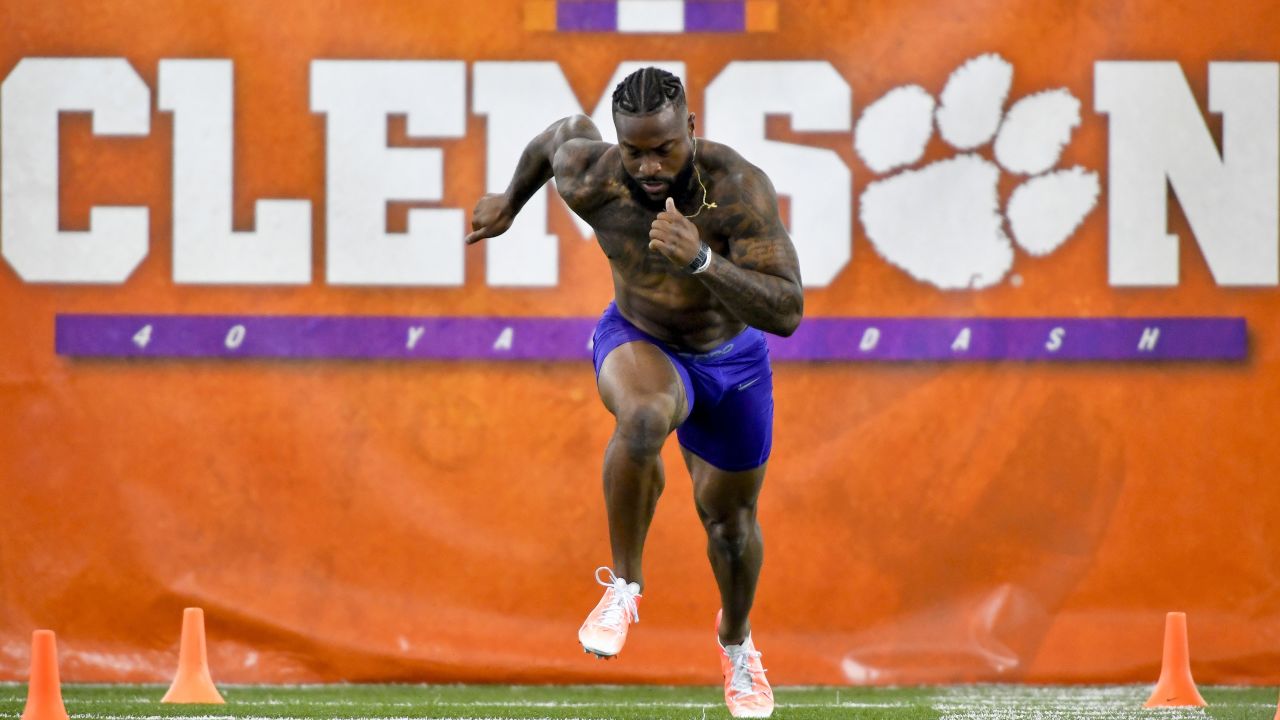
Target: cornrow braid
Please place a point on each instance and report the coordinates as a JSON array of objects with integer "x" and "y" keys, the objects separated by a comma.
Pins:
[{"x": 647, "y": 91}]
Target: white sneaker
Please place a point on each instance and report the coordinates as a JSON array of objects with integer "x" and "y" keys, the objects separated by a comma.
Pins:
[
  {"x": 605, "y": 629},
  {"x": 746, "y": 691}
]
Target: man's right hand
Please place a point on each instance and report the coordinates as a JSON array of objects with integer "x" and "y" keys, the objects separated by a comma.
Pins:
[{"x": 492, "y": 216}]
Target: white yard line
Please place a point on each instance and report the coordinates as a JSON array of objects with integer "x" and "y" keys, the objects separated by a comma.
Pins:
[
  {"x": 1013, "y": 702},
  {"x": 486, "y": 703},
  {"x": 975, "y": 702}
]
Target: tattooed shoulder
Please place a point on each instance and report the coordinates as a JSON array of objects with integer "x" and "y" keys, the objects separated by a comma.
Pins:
[
  {"x": 581, "y": 173},
  {"x": 749, "y": 220},
  {"x": 748, "y": 202}
]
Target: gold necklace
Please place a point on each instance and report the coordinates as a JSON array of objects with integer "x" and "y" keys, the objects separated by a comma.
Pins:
[{"x": 698, "y": 174}]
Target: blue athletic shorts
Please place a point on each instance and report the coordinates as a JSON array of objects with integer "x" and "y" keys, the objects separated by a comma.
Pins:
[{"x": 729, "y": 392}]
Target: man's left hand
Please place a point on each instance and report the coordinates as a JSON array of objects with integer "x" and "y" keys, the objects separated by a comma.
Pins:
[{"x": 673, "y": 235}]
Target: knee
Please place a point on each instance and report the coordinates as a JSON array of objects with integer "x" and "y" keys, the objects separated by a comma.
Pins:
[
  {"x": 643, "y": 427},
  {"x": 730, "y": 533}
]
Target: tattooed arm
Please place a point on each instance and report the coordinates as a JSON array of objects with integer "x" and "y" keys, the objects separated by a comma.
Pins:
[
  {"x": 759, "y": 281},
  {"x": 562, "y": 150}
]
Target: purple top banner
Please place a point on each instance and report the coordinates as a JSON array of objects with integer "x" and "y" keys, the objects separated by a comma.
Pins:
[
  {"x": 588, "y": 16},
  {"x": 640, "y": 16},
  {"x": 534, "y": 338}
]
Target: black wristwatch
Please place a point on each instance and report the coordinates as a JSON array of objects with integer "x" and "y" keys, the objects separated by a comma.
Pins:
[{"x": 700, "y": 262}]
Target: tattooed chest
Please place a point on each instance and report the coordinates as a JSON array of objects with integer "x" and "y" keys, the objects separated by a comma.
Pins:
[
  {"x": 623, "y": 234},
  {"x": 630, "y": 256}
]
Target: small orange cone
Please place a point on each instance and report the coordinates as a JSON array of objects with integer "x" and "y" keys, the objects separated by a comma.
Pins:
[
  {"x": 1175, "y": 688},
  {"x": 193, "y": 683},
  {"x": 44, "y": 689}
]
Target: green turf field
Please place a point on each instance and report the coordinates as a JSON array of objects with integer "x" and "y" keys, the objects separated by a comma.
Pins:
[{"x": 968, "y": 702}]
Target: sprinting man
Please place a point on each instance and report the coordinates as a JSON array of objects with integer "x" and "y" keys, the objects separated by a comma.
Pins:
[{"x": 702, "y": 268}]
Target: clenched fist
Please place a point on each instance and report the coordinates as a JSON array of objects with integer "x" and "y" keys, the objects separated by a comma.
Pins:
[
  {"x": 492, "y": 216},
  {"x": 673, "y": 235}
]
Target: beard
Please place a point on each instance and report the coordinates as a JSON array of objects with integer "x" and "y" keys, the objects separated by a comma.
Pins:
[{"x": 680, "y": 189}]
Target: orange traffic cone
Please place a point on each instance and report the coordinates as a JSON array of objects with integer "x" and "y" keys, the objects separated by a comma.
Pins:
[
  {"x": 44, "y": 689},
  {"x": 193, "y": 683},
  {"x": 1175, "y": 688}
]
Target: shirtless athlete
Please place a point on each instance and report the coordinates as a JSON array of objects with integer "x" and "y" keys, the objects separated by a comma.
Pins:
[{"x": 701, "y": 266}]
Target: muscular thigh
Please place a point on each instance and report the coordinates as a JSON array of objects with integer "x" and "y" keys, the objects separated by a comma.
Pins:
[
  {"x": 720, "y": 493},
  {"x": 638, "y": 372}
]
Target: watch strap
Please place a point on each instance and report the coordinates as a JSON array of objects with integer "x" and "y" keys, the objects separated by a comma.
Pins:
[{"x": 700, "y": 262}]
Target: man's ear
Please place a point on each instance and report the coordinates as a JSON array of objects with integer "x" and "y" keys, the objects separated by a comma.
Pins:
[{"x": 692, "y": 124}]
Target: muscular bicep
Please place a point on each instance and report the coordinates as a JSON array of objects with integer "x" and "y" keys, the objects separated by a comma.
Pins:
[{"x": 758, "y": 240}]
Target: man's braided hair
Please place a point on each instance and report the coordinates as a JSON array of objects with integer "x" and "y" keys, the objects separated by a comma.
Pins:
[{"x": 647, "y": 91}]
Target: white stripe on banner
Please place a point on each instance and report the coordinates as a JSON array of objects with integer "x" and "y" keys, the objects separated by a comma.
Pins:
[{"x": 650, "y": 16}]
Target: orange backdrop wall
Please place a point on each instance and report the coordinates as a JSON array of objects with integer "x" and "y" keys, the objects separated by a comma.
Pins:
[{"x": 365, "y": 521}]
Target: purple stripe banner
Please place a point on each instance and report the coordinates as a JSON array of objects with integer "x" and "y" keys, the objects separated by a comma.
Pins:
[
  {"x": 543, "y": 338},
  {"x": 1026, "y": 339}
]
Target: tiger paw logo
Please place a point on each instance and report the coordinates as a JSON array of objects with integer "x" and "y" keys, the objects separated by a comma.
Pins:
[{"x": 942, "y": 223}]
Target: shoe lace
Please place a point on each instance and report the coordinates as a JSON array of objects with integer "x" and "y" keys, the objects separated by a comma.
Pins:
[
  {"x": 622, "y": 607},
  {"x": 743, "y": 680}
]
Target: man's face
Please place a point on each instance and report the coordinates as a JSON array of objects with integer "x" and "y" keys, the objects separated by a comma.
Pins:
[{"x": 657, "y": 150}]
